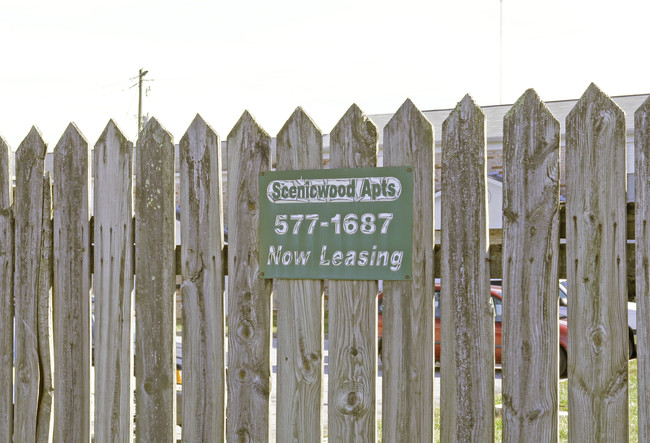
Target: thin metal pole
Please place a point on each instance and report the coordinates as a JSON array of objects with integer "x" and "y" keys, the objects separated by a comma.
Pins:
[
  {"x": 500, "y": 52},
  {"x": 140, "y": 77}
]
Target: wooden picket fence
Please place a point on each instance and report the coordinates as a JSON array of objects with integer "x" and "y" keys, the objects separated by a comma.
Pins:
[{"x": 50, "y": 249}]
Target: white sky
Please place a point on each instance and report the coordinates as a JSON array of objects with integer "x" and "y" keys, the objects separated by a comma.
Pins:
[{"x": 63, "y": 61}]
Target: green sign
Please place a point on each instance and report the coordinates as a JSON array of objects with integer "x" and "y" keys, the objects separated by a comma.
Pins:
[{"x": 343, "y": 224}]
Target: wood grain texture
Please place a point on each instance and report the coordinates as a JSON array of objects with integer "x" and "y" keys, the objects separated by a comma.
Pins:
[
  {"x": 28, "y": 212},
  {"x": 596, "y": 268},
  {"x": 204, "y": 358},
  {"x": 353, "y": 308},
  {"x": 155, "y": 284},
  {"x": 45, "y": 320},
  {"x": 7, "y": 292},
  {"x": 249, "y": 297},
  {"x": 408, "y": 314},
  {"x": 72, "y": 287},
  {"x": 467, "y": 318},
  {"x": 113, "y": 285},
  {"x": 300, "y": 310},
  {"x": 531, "y": 191},
  {"x": 642, "y": 201}
]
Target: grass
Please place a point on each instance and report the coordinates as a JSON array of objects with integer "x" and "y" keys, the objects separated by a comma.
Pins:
[{"x": 564, "y": 403}]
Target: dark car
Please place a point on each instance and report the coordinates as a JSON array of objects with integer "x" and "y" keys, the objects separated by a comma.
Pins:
[{"x": 495, "y": 293}]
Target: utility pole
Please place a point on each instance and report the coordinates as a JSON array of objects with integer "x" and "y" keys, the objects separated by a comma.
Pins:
[
  {"x": 500, "y": 52},
  {"x": 140, "y": 77}
]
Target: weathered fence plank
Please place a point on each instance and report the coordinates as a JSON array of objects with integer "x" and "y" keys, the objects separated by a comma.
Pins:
[
  {"x": 6, "y": 297},
  {"x": 204, "y": 358},
  {"x": 642, "y": 201},
  {"x": 71, "y": 287},
  {"x": 408, "y": 314},
  {"x": 531, "y": 192},
  {"x": 300, "y": 309},
  {"x": 249, "y": 298},
  {"x": 28, "y": 212},
  {"x": 353, "y": 308},
  {"x": 467, "y": 319},
  {"x": 155, "y": 283},
  {"x": 113, "y": 285},
  {"x": 596, "y": 269},
  {"x": 45, "y": 319}
]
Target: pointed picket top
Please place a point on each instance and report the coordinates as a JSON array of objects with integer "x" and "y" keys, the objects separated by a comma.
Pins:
[
  {"x": 465, "y": 110},
  {"x": 407, "y": 118},
  {"x": 72, "y": 138},
  {"x": 354, "y": 141},
  {"x": 594, "y": 98},
  {"x": 463, "y": 134},
  {"x": 152, "y": 132},
  {"x": 198, "y": 124},
  {"x": 530, "y": 115},
  {"x": 407, "y": 112},
  {"x": 247, "y": 120},
  {"x": 113, "y": 135},
  {"x": 299, "y": 116},
  {"x": 195, "y": 140},
  {"x": 32, "y": 143},
  {"x": 529, "y": 99},
  {"x": 299, "y": 143}
]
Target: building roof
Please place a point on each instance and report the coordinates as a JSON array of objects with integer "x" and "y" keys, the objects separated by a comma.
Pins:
[{"x": 494, "y": 116}]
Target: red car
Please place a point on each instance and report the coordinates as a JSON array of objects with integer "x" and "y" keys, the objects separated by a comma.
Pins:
[{"x": 495, "y": 292}]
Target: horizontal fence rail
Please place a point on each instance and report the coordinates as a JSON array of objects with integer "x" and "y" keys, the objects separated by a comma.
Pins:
[{"x": 89, "y": 272}]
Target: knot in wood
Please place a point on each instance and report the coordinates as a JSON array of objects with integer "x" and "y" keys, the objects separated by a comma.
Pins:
[
  {"x": 309, "y": 366},
  {"x": 245, "y": 330},
  {"x": 243, "y": 436},
  {"x": 351, "y": 399},
  {"x": 597, "y": 336}
]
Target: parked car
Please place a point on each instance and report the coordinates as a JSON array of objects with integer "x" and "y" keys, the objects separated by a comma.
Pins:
[
  {"x": 631, "y": 315},
  {"x": 495, "y": 293}
]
